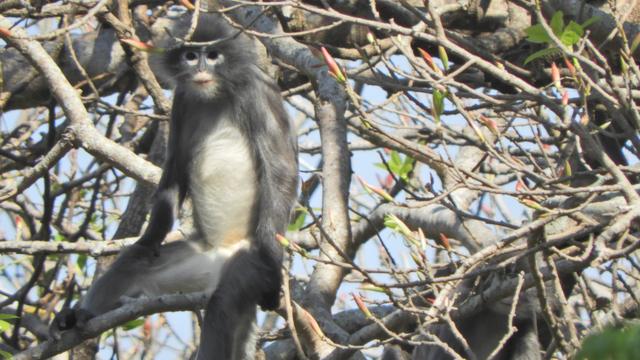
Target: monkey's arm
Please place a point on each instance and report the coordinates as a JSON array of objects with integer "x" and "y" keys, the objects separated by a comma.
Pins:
[
  {"x": 170, "y": 193},
  {"x": 163, "y": 213},
  {"x": 278, "y": 181}
]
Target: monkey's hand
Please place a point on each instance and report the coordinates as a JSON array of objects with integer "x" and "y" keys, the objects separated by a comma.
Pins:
[
  {"x": 270, "y": 301},
  {"x": 69, "y": 319}
]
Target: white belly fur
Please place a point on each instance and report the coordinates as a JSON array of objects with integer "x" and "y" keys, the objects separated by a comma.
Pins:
[{"x": 223, "y": 186}]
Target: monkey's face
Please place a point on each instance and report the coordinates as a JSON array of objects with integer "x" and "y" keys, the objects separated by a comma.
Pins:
[
  {"x": 198, "y": 70},
  {"x": 214, "y": 71}
]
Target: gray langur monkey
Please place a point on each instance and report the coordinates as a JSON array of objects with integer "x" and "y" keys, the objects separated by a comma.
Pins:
[{"x": 233, "y": 151}]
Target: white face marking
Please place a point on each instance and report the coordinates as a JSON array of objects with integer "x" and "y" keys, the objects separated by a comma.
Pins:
[
  {"x": 203, "y": 83},
  {"x": 223, "y": 185}
]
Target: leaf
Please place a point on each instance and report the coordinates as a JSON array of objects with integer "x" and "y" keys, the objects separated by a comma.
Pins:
[
  {"x": 395, "y": 162},
  {"x": 82, "y": 261},
  {"x": 394, "y": 223},
  {"x": 299, "y": 221},
  {"x": 537, "y": 34},
  {"x": 133, "y": 324},
  {"x": 438, "y": 103},
  {"x": 375, "y": 190},
  {"x": 557, "y": 23},
  {"x": 591, "y": 20},
  {"x": 569, "y": 38},
  {"x": 370, "y": 287},
  {"x": 635, "y": 43},
  {"x": 533, "y": 205},
  {"x": 611, "y": 343},
  {"x": 624, "y": 66},
  {"x": 8, "y": 316},
  {"x": 406, "y": 168},
  {"x": 4, "y": 326},
  {"x": 575, "y": 27},
  {"x": 443, "y": 57},
  {"x": 549, "y": 52}
]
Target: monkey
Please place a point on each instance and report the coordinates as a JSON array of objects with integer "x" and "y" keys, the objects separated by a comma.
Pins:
[{"x": 233, "y": 151}]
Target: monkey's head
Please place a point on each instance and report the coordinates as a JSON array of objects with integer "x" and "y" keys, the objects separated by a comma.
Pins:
[{"x": 215, "y": 69}]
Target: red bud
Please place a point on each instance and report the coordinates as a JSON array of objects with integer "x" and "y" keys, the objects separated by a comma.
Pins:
[
  {"x": 555, "y": 75},
  {"x": 565, "y": 98},
  {"x": 142, "y": 46},
  {"x": 361, "y": 305},
  {"x": 572, "y": 69},
  {"x": 187, "y": 4},
  {"x": 334, "y": 69},
  {"x": 444, "y": 241},
  {"x": 4, "y": 32}
]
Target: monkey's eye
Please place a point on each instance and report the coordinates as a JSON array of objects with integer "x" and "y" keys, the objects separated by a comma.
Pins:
[
  {"x": 212, "y": 55},
  {"x": 190, "y": 56}
]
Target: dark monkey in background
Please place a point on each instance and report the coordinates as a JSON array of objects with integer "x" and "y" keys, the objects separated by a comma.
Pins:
[{"x": 232, "y": 150}]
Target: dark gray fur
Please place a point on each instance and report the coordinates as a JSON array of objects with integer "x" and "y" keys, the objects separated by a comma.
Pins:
[{"x": 243, "y": 98}]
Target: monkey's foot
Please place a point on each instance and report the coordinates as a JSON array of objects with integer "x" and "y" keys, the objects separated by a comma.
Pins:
[{"x": 68, "y": 319}]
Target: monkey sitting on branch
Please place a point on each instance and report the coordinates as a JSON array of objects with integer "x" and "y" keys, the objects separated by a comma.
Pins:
[{"x": 233, "y": 151}]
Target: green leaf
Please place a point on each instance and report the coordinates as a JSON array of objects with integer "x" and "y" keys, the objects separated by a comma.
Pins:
[
  {"x": 395, "y": 162},
  {"x": 407, "y": 166},
  {"x": 612, "y": 344},
  {"x": 299, "y": 221},
  {"x": 8, "y": 316},
  {"x": 4, "y": 326},
  {"x": 575, "y": 27},
  {"x": 438, "y": 103},
  {"x": 537, "y": 34},
  {"x": 592, "y": 20},
  {"x": 133, "y": 324},
  {"x": 82, "y": 261},
  {"x": 557, "y": 23},
  {"x": 569, "y": 38},
  {"x": 394, "y": 223},
  {"x": 380, "y": 166},
  {"x": 549, "y": 52},
  {"x": 6, "y": 355},
  {"x": 442, "y": 52},
  {"x": 635, "y": 43}
]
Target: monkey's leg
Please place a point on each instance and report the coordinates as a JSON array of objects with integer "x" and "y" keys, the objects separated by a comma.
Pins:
[
  {"x": 176, "y": 267},
  {"x": 231, "y": 310}
]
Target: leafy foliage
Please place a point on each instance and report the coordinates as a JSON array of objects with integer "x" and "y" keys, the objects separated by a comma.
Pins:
[
  {"x": 569, "y": 35},
  {"x": 611, "y": 344}
]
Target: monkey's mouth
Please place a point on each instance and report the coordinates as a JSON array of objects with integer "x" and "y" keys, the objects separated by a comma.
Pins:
[
  {"x": 203, "y": 82},
  {"x": 202, "y": 78}
]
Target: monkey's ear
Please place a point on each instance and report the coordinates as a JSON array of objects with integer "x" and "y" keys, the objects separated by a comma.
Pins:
[{"x": 165, "y": 32}]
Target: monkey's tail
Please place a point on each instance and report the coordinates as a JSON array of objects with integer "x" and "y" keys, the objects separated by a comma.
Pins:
[{"x": 243, "y": 284}]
